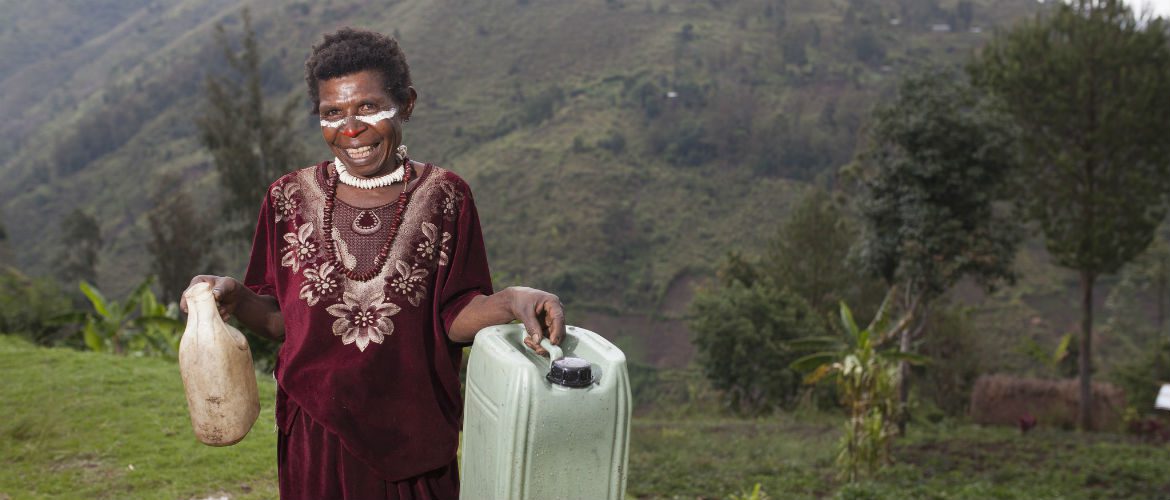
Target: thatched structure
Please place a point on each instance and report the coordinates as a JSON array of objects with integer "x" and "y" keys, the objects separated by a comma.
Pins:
[{"x": 1006, "y": 399}]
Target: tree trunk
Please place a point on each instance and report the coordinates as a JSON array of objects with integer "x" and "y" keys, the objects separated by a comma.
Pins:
[
  {"x": 1084, "y": 409},
  {"x": 903, "y": 383},
  {"x": 907, "y": 336}
]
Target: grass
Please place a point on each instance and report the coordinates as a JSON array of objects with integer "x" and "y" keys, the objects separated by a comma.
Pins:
[{"x": 85, "y": 425}]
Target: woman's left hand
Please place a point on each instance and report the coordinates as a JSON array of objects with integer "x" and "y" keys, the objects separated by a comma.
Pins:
[{"x": 541, "y": 313}]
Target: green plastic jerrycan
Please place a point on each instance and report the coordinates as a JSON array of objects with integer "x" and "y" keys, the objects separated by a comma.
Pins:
[{"x": 545, "y": 428}]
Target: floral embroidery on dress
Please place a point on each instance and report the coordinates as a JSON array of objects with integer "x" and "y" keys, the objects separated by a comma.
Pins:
[
  {"x": 284, "y": 202},
  {"x": 363, "y": 318},
  {"x": 301, "y": 248},
  {"x": 450, "y": 205},
  {"x": 433, "y": 244},
  {"x": 347, "y": 259},
  {"x": 319, "y": 282},
  {"x": 409, "y": 282}
]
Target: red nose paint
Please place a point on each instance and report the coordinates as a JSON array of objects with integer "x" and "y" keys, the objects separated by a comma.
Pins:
[{"x": 351, "y": 132}]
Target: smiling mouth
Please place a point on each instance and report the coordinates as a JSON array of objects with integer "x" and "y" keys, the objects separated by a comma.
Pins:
[{"x": 361, "y": 153}]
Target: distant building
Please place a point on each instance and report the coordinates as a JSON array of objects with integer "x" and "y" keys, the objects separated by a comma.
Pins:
[{"x": 940, "y": 28}]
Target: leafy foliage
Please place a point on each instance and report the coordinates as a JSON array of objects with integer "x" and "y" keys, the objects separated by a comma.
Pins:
[
  {"x": 138, "y": 325},
  {"x": 28, "y": 306},
  {"x": 252, "y": 145},
  {"x": 181, "y": 240},
  {"x": 939, "y": 161},
  {"x": 866, "y": 376},
  {"x": 1091, "y": 85},
  {"x": 81, "y": 241},
  {"x": 742, "y": 329},
  {"x": 810, "y": 255},
  {"x": 1143, "y": 375},
  {"x": 956, "y": 354}
]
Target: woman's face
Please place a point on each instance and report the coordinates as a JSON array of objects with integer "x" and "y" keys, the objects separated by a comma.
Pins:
[{"x": 361, "y": 123}]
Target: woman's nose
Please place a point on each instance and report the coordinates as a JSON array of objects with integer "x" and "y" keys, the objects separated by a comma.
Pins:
[{"x": 352, "y": 127}]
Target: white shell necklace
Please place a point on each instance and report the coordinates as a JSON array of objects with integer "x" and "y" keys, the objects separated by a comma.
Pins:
[{"x": 376, "y": 182}]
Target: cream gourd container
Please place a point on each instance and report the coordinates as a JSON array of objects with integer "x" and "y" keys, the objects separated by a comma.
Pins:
[{"x": 218, "y": 377}]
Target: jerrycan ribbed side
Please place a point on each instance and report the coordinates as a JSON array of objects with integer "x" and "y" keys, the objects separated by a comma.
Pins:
[
  {"x": 540, "y": 428},
  {"x": 216, "y": 365}
]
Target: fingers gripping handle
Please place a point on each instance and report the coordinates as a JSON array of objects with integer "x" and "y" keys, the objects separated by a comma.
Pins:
[{"x": 554, "y": 352}]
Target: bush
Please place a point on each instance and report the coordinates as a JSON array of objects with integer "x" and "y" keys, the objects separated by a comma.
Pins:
[
  {"x": 541, "y": 107},
  {"x": 742, "y": 333},
  {"x": 28, "y": 306},
  {"x": 1142, "y": 377},
  {"x": 952, "y": 347}
]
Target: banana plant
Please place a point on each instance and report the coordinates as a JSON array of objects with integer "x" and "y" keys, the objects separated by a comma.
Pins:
[
  {"x": 139, "y": 324},
  {"x": 866, "y": 375}
]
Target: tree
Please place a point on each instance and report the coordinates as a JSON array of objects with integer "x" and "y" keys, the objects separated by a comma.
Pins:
[
  {"x": 1090, "y": 84},
  {"x": 181, "y": 241},
  {"x": 251, "y": 145},
  {"x": 81, "y": 241},
  {"x": 742, "y": 329},
  {"x": 810, "y": 256},
  {"x": 938, "y": 162}
]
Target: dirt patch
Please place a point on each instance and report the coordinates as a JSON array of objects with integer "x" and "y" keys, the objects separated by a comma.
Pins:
[
  {"x": 662, "y": 339},
  {"x": 90, "y": 469},
  {"x": 660, "y": 343}
]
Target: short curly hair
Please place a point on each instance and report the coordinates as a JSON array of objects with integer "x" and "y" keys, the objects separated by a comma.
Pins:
[{"x": 349, "y": 51}]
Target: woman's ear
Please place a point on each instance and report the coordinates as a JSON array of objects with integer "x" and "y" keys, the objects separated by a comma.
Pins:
[{"x": 409, "y": 108}]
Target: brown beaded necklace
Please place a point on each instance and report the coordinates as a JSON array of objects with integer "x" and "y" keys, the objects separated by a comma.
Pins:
[{"x": 384, "y": 253}]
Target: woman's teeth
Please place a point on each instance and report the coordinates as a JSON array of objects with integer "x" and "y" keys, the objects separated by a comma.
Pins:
[{"x": 360, "y": 153}]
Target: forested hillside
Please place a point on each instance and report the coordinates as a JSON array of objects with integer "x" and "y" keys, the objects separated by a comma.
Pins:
[{"x": 615, "y": 147}]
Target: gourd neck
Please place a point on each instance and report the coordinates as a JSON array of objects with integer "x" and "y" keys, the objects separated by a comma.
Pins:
[{"x": 201, "y": 303}]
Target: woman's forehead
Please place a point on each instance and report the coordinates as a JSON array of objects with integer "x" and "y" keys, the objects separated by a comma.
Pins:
[{"x": 362, "y": 85}]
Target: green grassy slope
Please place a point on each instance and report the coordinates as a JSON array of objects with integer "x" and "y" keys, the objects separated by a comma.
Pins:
[{"x": 86, "y": 425}]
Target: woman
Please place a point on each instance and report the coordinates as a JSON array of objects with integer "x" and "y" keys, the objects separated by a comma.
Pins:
[{"x": 372, "y": 270}]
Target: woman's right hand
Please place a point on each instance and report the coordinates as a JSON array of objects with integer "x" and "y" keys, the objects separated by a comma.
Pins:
[{"x": 226, "y": 291}]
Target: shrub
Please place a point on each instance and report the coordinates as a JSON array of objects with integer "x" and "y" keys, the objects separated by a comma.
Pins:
[
  {"x": 1142, "y": 377},
  {"x": 742, "y": 333},
  {"x": 28, "y": 306},
  {"x": 952, "y": 348}
]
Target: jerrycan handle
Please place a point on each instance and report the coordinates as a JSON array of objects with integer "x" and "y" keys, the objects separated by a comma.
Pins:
[{"x": 554, "y": 352}]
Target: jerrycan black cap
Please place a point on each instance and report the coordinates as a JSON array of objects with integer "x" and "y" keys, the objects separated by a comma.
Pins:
[{"x": 571, "y": 372}]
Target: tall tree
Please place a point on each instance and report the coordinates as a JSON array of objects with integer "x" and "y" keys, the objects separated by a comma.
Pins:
[
  {"x": 81, "y": 237},
  {"x": 181, "y": 240},
  {"x": 251, "y": 144},
  {"x": 810, "y": 255},
  {"x": 1090, "y": 84},
  {"x": 938, "y": 162}
]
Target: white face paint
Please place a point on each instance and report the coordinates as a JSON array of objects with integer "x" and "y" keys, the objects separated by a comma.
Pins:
[{"x": 367, "y": 119}]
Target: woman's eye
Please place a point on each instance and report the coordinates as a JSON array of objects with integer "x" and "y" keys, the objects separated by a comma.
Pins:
[
  {"x": 331, "y": 112},
  {"x": 369, "y": 108}
]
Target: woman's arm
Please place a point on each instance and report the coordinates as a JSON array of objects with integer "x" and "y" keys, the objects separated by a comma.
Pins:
[
  {"x": 541, "y": 313},
  {"x": 260, "y": 313}
]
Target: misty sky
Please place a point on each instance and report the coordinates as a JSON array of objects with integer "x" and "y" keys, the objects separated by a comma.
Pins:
[{"x": 1161, "y": 7}]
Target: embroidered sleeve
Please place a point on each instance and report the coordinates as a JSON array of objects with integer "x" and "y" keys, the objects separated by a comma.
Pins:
[
  {"x": 467, "y": 274},
  {"x": 261, "y": 274}
]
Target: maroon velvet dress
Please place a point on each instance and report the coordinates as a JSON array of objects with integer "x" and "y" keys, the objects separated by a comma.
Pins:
[{"x": 368, "y": 402}]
